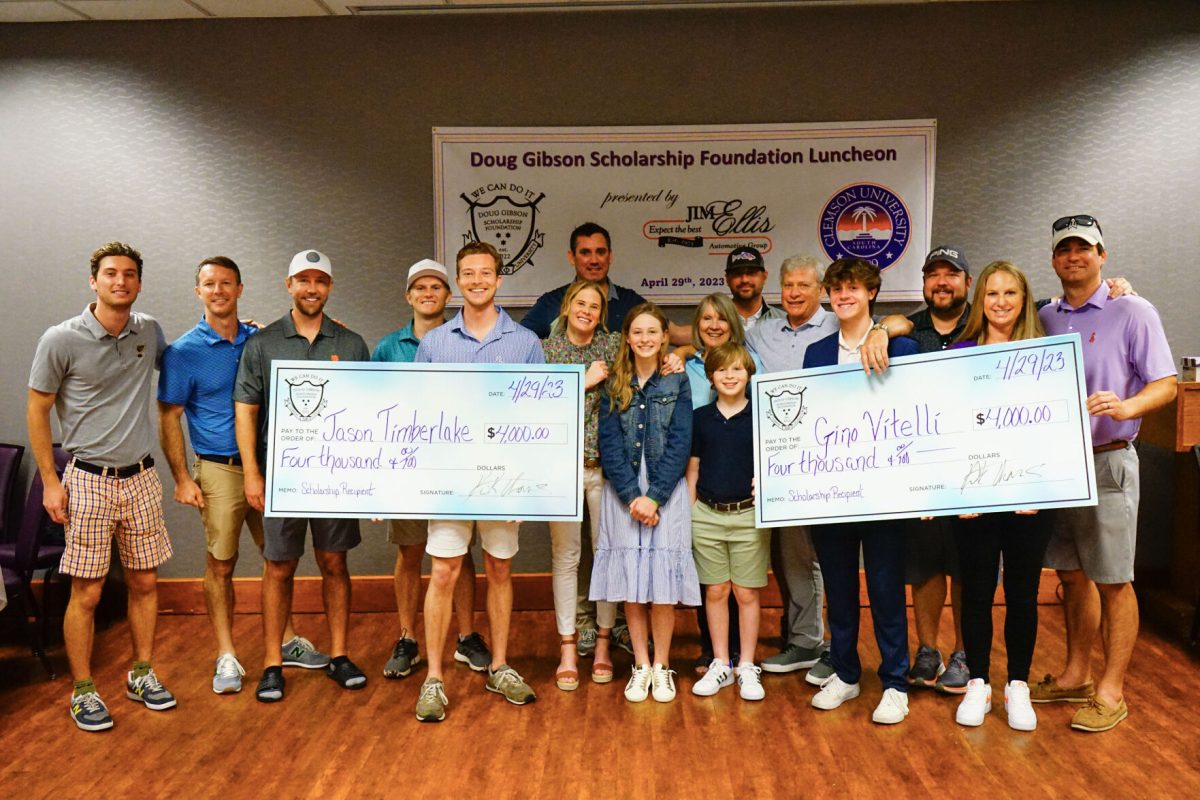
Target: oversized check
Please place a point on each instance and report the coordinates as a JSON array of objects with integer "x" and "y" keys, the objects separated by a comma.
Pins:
[
  {"x": 425, "y": 441},
  {"x": 979, "y": 429}
]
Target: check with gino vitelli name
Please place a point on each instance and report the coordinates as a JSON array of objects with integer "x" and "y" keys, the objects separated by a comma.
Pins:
[
  {"x": 972, "y": 430},
  {"x": 425, "y": 441}
]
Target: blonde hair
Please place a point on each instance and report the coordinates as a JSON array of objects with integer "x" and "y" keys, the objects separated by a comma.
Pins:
[
  {"x": 1028, "y": 325},
  {"x": 720, "y": 303},
  {"x": 620, "y": 394},
  {"x": 560, "y": 322}
]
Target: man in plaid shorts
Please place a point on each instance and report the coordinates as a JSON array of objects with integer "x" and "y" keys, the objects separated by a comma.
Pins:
[{"x": 95, "y": 371}]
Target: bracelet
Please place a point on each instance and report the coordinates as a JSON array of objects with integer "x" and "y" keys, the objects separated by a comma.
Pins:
[{"x": 879, "y": 326}]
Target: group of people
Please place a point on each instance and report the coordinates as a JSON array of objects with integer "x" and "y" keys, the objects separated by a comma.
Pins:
[{"x": 668, "y": 480}]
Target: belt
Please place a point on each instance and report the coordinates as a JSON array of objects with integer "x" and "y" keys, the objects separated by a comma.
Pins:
[
  {"x": 232, "y": 461},
  {"x": 1119, "y": 444},
  {"x": 114, "y": 472},
  {"x": 736, "y": 505},
  {"x": 591, "y": 463}
]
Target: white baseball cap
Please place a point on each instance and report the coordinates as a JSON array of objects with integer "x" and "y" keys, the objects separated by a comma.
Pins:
[
  {"x": 310, "y": 259},
  {"x": 424, "y": 268}
]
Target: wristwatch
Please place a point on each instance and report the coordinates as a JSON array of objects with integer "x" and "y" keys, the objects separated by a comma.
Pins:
[{"x": 879, "y": 326}]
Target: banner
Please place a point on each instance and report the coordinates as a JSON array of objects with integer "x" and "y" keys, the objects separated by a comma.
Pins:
[
  {"x": 676, "y": 200},
  {"x": 979, "y": 429},
  {"x": 425, "y": 441}
]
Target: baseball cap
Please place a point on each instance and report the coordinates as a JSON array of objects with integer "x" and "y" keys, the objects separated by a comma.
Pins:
[
  {"x": 744, "y": 258},
  {"x": 949, "y": 253},
  {"x": 424, "y": 268},
  {"x": 310, "y": 259},
  {"x": 1077, "y": 226}
]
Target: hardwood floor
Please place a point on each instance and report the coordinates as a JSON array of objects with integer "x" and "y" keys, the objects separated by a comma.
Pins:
[{"x": 322, "y": 741}]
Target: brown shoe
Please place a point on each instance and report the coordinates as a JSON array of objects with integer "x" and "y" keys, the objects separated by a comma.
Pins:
[
  {"x": 1096, "y": 716},
  {"x": 1047, "y": 690}
]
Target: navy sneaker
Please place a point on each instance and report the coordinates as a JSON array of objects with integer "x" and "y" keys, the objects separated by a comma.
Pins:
[
  {"x": 149, "y": 691},
  {"x": 89, "y": 712},
  {"x": 405, "y": 656}
]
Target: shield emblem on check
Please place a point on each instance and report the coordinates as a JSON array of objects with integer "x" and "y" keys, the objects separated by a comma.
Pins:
[
  {"x": 786, "y": 407},
  {"x": 306, "y": 397}
]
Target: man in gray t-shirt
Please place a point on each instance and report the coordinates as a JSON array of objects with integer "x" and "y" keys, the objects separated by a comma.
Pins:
[{"x": 96, "y": 372}]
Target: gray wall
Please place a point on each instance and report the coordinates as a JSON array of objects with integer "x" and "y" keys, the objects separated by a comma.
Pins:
[{"x": 259, "y": 138}]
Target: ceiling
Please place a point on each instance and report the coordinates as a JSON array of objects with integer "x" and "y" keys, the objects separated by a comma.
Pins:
[{"x": 85, "y": 10}]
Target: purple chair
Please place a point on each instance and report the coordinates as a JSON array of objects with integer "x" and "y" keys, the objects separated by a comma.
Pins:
[
  {"x": 10, "y": 502},
  {"x": 19, "y": 560}
]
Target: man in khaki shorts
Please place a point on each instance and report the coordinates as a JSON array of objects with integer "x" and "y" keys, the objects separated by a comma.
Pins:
[
  {"x": 95, "y": 371},
  {"x": 197, "y": 376},
  {"x": 427, "y": 293}
]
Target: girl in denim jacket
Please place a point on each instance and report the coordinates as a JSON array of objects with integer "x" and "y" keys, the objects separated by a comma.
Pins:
[{"x": 643, "y": 554}]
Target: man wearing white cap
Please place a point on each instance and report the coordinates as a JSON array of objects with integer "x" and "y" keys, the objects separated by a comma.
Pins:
[
  {"x": 427, "y": 293},
  {"x": 1129, "y": 372},
  {"x": 304, "y": 333}
]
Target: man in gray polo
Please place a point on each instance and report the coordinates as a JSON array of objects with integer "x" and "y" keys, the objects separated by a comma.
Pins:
[
  {"x": 95, "y": 371},
  {"x": 304, "y": 333}
]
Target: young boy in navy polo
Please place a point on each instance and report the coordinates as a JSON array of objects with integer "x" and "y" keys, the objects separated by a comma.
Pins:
[{"x": 731, "y": 553}]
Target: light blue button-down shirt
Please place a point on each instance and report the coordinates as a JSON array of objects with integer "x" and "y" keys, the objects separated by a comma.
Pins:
[{"x": 781, "y": 347}]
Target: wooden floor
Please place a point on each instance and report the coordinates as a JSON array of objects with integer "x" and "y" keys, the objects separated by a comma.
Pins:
[{"x": 323, "y": 741}]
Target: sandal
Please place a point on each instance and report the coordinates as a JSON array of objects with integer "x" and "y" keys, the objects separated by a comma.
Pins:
[
  {"x": 567, "y": 679},
  {"x": 602, "y": 671}
]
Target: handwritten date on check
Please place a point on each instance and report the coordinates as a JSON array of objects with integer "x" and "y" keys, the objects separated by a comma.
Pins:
[
  {"x": 972, "y": 430},
  {"x": 425, "y": 441}
]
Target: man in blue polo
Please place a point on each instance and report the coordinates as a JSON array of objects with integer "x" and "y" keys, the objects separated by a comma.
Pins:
[
  {"x": 482, "y": 333},
  {"x": 305, "y": 333},
  {"x": 197, "y": 376}
]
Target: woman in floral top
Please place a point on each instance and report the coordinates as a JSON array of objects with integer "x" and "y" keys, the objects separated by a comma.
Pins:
[{"x": 579, "y": 336}]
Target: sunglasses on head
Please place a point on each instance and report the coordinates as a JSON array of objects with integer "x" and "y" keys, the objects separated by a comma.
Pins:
[{"x": 1077, "y": 221}]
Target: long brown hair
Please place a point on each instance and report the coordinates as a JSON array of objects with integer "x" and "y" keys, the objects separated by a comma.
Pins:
[
  {"x": 620, "y": 394},
  {"x": 1027, "y": 326}
]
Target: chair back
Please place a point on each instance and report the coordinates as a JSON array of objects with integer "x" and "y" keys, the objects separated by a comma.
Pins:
[
  {"x": 10, "y": 502},
  {"x": 36, "y": 519}
]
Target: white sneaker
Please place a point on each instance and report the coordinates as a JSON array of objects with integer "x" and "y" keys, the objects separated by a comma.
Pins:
[
  {"x": 1021, "y": 716},
  {"x": 719, "y": 676},
  {"x": 639, "y": 684},
  {"x": 227, "y": 676},
  {"x": 833, "y": 693},
  {"x": 976, "y": 703},
  {"x": 749, "y": 678},
  {"x": 664, "y": 683},
  {"x": 892, "y": 708}
]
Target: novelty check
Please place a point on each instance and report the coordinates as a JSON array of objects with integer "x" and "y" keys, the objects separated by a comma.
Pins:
[
  {"x": 979, "y": 429},
  {"x": 425, "y": 441}
]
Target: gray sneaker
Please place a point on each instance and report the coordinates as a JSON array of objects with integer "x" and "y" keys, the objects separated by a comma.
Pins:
[
  {"x": 792, "y": 659},
  {"x": 585, "y": 645},
  {"x": 227, "y": 676},
  {"x": 89, "y": 712},
  {"x": 148, "y": 690},
  {"x": 822, "y": 670},
  {"x": 405, "y": 656},
  {"x": 473, "y": 652},
  {"x": 432, "y": 702},
  {"x": 927, "y": 666},
  {"x": 954, "y": 679},
  {"x": 300, "y": 652},
  {"x": 508, "y": 682}
]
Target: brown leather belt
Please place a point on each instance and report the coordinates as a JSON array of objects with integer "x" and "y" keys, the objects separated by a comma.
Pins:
[
  {"x": 1119, "y": 444},
  {"x": 728, "y": 508},
  {"x": 114, "y": 472}
]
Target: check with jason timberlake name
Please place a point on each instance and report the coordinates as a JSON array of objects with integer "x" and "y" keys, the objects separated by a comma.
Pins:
[
  {"x": 425, "y": 441},
  {"x": 971, "y": 430}
]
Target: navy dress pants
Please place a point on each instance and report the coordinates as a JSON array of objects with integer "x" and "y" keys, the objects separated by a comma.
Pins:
[{"x": 882, "y": 545}]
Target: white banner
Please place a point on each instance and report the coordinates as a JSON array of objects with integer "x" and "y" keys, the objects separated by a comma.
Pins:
[{"x": 676, "y": 200}]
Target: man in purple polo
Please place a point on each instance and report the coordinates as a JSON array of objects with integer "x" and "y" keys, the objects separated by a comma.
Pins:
[{"x": 1129, "y": 372}]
